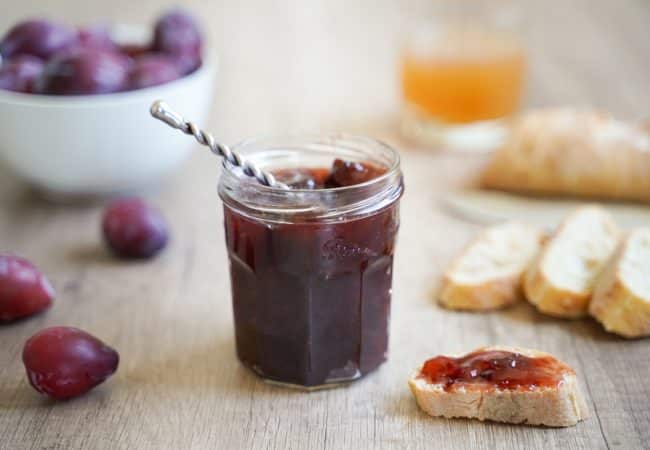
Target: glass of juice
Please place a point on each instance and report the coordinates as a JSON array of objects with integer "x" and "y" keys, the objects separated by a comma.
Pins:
[
  {"x": 311, "y": 267},
  {"x": 462, "y": 72}
]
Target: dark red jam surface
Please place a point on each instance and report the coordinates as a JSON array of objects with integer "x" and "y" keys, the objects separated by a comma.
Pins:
[
  {"x": 311, "y": 300},
  {"x": 341, "y": 174},
  {"x": 494, "y": 369}
]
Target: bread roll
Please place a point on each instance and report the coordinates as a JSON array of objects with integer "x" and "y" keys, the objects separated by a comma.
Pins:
[{"x": 575, "y": 153}]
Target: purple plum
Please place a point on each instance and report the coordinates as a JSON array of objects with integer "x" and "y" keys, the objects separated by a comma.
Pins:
[
  {"x": 134, "y": 229},
  {"x": 97, "y": 36},
  {"x": 178, "y": 35},
  {"x": 19, "y": 73},
  {"x": 84, "y": 71},
  {"x": 152, "y": 70},
  {"x": 39, "y": 38}
]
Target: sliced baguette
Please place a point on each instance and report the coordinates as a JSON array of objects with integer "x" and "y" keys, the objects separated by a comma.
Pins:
[
  {"x": 561, "y": 280},
  {"x": 621, "y": 299},
  {"x": 488, "y": 274},
  {"x": 562, "y": 406}
]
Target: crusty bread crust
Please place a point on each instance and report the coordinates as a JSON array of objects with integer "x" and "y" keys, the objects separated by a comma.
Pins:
[
  {"x": 615, "y": 304},
  {"x": 550, "y": 298},
  {"x": 554, "y": 407},
  {"x": 494, "y": 292},
  {"x": 563, "y": 151}
]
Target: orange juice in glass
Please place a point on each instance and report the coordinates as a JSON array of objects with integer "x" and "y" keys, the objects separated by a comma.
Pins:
[{"x": 461, "y": 76}]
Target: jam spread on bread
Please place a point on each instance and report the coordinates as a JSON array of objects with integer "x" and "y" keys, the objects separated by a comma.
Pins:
[
  {"x": 494, "y": 368},
  {"x": 341, "y": 174}
]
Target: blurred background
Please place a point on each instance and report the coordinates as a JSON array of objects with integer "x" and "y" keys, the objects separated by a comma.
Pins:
[{"x": 334, "y": 65}]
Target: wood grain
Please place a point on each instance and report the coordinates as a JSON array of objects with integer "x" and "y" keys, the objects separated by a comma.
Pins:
[{"x": 319, "y": 65}]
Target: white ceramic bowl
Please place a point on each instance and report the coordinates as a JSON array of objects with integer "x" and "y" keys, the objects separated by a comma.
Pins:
[{"x": 101, "y": 144}]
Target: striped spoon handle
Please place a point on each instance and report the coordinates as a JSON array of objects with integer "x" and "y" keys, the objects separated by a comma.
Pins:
[{"x": 161, "y": 111}]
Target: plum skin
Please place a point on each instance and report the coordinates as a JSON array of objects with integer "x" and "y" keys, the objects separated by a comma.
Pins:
[
  {"x": 97, "y": 36},
  {"x": 134, "y": 230},
  {"x": 152, "y": 70},
  {"x": 84, "y": 71},
  {"x": 65, "y": 362},
  {"x": 19, "y": 73},
  {"x": 24, "y": 290},
  {"x": 177, "y": 35},
  {"x": 37, "y": 37}
]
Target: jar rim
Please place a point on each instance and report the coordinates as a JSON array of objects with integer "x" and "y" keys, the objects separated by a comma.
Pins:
[
  {"x": 328, "y": 204},
  {"x": 390, "y": 171}
]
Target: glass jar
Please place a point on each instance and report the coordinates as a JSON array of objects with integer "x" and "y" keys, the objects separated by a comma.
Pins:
[
  {"x": 463, "y": 66},
  {"x": 311, "y": 270}
]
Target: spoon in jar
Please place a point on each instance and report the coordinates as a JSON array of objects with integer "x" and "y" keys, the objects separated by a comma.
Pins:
[{"x": 161, "y": 111}]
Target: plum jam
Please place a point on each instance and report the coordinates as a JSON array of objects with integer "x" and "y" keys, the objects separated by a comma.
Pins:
[
  {"x": 494, "y": 369},
  {"x": 311, "y": 267},
  {"x": 341, "y": 174}
]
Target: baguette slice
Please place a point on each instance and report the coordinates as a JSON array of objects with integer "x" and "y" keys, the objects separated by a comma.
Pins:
[
  {"x": 566, "y": 151},
  {"x": 488, "y": 274},
  {"x": 559, "y": 406},
  {"x": 561, "y": 280},
  {"x": 622, "y": 295}
]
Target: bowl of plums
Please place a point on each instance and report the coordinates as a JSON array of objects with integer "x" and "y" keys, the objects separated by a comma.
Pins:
[{"x": 74, "y": 102}]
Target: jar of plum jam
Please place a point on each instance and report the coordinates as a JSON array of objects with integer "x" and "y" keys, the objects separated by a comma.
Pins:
[{"x": 311, "y": 267}]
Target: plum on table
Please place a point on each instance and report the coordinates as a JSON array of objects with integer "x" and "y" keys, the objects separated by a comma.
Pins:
[
  {"x": 65, "y": 362},
  {"x": 24, "y": 290},
  {"x": 133, "y": 229}
]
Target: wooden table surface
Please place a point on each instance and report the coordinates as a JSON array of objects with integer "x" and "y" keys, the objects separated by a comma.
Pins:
[{"x": 318, "y": 65}]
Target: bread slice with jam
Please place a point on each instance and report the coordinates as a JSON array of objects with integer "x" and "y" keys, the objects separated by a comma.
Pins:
[{"x": 502, "y": 384}]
